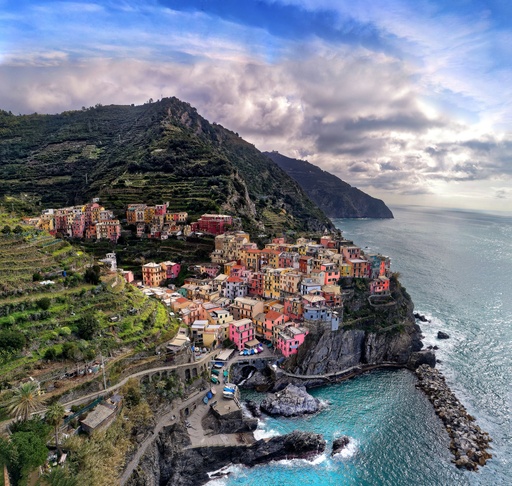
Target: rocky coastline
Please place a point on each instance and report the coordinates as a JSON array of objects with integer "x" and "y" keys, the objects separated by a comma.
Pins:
[
  {"x": 172, "y": 462},
  {"x": 469, "y": 443}
]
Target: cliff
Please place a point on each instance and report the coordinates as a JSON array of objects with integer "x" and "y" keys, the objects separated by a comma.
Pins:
[
  {"x": 372, "y": 333},
  {"x": 335, "y": 197},
  {"x": 170, "y": 461}
]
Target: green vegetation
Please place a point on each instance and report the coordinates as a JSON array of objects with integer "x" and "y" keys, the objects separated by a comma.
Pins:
[
  {"x": 68, "y": 321},
  {"x": 163, "y": 151},
  {"x": 97, "y": 460}
]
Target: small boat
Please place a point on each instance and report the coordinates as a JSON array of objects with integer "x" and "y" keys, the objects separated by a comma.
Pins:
[
  {"x": 209, "y": 395},
  {"x": 225, "y": 373},
  {"x": 213, "y": 391},
  {"x": 215, "y": 372},
  {"x": 205, "y": 400},
  {"x": 214, "y": 379}
]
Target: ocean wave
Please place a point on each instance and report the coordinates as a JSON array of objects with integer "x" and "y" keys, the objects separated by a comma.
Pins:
[
  {"x": 303, "y": 462},
  {"x": 222, "y": 481},
  {"x": 262, "y": 433},
  {"x": 349, "y": 451}
]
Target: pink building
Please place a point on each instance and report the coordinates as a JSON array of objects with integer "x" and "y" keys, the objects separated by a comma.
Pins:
[
  {"x": 272, "y": 319},
  {"x": 78, "y": 226},
  {"x": 241, "y": 332},
  {"x": 293, "y": 307},
  {"x": 379, "y": 286},
  {"x": 256, "y": 284},
  {"x": 289, "y": 338},
  {"x": 331, "y": 273},
  {"x": 160, "y": 209},
  {"x": 171, "y": 269}
]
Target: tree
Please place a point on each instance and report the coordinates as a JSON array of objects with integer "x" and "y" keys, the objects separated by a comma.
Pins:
[
  {"x": 92, "y": 275},
  {"x": 6, "y": 230},
  {"x": 25, "y": 400},
  {"x": 12, "y": 340},
  {"x": 17, "y": 230},
  {"x": 87, "y": 327},
  {"x": 58, "y": 477},
  {"x": 31, "y": 452},
  {"x": 54, "y": 415}
]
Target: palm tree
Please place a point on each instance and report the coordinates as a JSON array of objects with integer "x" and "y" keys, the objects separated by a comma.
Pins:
[
  {"x": 25, "y": 400},
  {"x": 53, "y": 416},
  {"x": 58, "y": 477}
]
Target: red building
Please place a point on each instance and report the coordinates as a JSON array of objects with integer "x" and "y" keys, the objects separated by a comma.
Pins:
[{"x": 215, "y": 224}]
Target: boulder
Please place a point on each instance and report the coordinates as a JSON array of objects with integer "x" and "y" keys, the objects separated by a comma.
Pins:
[
  {"x": 442, "y": 335},
  {"x": 339, "y": 444},
  {"x": 292, "y": 401},
  {"x": 419, "y": 358}
]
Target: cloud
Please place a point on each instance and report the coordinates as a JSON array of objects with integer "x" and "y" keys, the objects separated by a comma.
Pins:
[{"x": 374, "y": 115}]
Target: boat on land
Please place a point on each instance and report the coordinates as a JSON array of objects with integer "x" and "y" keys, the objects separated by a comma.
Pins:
[{"x": 230, "y": 391}]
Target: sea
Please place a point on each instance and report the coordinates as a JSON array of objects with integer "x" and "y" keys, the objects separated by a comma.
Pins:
[{"x": 457, "y": 267}]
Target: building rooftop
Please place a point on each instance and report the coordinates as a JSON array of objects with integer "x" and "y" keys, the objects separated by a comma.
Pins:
[{"x": 97, "y": 416}]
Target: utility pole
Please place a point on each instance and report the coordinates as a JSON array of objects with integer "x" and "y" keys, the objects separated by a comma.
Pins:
[{"x": 103, "y": 369}]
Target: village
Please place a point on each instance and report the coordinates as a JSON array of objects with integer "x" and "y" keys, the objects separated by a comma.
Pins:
[{"x": 243, "y": 295}]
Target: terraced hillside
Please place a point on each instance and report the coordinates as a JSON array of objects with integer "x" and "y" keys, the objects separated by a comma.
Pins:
[
  {"x": 46, "y": 327},
  {"x": 163, "y": 151}
]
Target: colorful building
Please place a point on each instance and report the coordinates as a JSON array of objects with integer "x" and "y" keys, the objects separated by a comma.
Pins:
[
  {"x": 241, "y": 332},
  {"x": 288, "y": 339},
  {"x": 214, "y": 224}
]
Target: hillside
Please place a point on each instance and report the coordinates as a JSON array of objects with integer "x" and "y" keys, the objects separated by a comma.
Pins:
[
  {"x": 162, "y": 151},
  {"x": 54, "y": 317},
  {"x": 334, "y": 197}
]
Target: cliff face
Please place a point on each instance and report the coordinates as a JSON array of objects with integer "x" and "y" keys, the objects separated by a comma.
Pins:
[
  {"x": 335, "y": 197},
  {"x": 371, "y": 334}
]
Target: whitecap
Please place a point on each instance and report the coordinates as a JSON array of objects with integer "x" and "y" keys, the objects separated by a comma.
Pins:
[
  {"x": 265, "y": 433},
  {"x": 315, "y": 461},
  {"x": 348, "y": 451},
  {"x": 222, "y": 481}
]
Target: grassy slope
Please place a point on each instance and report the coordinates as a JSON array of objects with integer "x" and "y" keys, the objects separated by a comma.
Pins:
[{"x": 70, "y": 300}]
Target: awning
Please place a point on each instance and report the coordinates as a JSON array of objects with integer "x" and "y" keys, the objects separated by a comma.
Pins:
[{"x": 252, "y": 343}]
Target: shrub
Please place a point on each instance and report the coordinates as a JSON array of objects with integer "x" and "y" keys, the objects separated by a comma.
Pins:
[
  {"x": 36, "y": 277},
  {"x": 64, "y": 331},
  {"x": 44, "y": 303},
  {"x": 12, "y": 340}
]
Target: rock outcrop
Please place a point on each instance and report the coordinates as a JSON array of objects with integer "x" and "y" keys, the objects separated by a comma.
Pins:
[
  {"x": 384, "y": 334},
  {"x": 442, "y": 335},
  {"x": 169, "y": 462},
  {"x": 290, "y": 402},
  {"x": 469, "y": 443},
  {"x": 339, "y": 444}
]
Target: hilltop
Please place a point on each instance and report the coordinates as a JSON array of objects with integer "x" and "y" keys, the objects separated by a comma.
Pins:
[
  {"x": 161, "y": 151},
  {"x": 334, "y": 197}
]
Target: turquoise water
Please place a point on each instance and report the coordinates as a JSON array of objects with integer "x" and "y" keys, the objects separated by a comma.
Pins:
[{"x": 457, "y": 266}]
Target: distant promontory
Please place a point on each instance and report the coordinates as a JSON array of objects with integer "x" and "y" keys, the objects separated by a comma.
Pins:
[{"x": 336, "y": 198}]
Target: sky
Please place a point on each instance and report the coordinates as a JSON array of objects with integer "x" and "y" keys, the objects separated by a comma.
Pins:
[{"x": 410, "y": 101}]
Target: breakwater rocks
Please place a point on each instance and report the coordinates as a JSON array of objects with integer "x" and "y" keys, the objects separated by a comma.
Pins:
[{"x": 468, "y": 443}]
